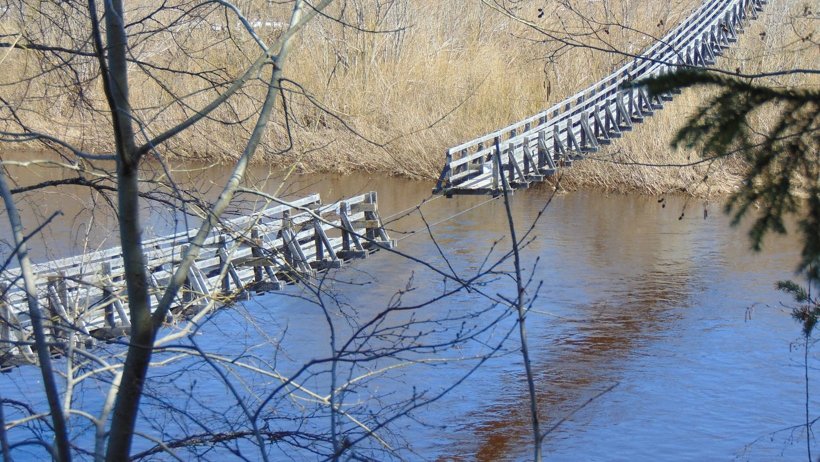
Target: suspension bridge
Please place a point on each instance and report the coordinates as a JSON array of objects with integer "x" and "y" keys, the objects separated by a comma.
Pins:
[
  {"x": 531, "y": 150},
  {"x": 84, "y": 296}
]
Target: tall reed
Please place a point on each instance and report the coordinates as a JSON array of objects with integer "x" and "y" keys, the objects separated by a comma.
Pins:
[{"x": 389, "y": 85}]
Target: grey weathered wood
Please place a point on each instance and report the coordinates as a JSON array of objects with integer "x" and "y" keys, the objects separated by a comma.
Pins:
[
  {"x": 496, "y": 168},
  {"x": 85, "y": 293},
  {"x": 545, "y": 160},
  {"x": 5, "y": 322},
  {"x": 325, "y": 256},
  {"x": 604, "y": 110},
  {"x": 589, "y": 140},
  {"x": 256, "y": 251},
  {"x": 108, "y": 296},
  {"x": 57, "y": 316},
  {"x": 12, "y": 337},
  {"x": 558, "y": 146},
  {"x": 223, "y": 263},
  {"x": 351, "y": 243},
  {"x": 531, "y": 166},
  {"x": 570, "y": 138},
  {"x": 600, "y": 131},
  {"x": 624, "y": 119},
  {"x": 516, "y": 173}
]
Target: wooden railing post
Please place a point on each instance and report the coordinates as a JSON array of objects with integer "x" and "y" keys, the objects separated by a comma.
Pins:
[
  {"x": 187, "y": 290},
  {"x": 223, "y": 261},
  {"x": 108, "y": 295},
  {"x": 584, "y": 138},
  {"x": 5, "y": 321},
  {"x": 286, "y": 227},
  {"x": 584, "y": 122},
  {"x": 343, "y": 209},
  {"x": 256, "y": 252},
  {"x": 496, "y": 165},
  {"x": 56, "y": 296},
  {"x": 370, "y": 216},
  {"x": 11, "y": 328},
  {"x": 318, "y": 244},
  {"x": 527, "y": 164}
]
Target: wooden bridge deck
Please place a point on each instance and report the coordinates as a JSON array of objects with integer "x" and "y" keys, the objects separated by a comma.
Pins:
[
  {"x": 532, "y": 149},
  {"x": 85, "y": 295}
]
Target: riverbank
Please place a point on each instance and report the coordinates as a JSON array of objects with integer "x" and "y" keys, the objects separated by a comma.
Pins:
[{"x": 437, "y": 74}]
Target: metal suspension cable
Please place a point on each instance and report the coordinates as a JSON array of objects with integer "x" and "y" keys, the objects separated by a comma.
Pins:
[
  {"x": 444, "y": 220},
  {"x": 408, "y": 211}
]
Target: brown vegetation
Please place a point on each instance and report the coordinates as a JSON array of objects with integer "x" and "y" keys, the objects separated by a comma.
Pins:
[
  {"x": 433, "y": 75},
  {"x": 780, "y": 39}
]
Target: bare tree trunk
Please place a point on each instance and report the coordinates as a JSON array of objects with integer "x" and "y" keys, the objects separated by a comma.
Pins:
[
  {"x": 4, "y": 441},
  {"x": 115, "y": 81},
  {"x": 144, "y": 325},
  {"x": 43, "y": 353},
  {"x": 142, "y": 333}
]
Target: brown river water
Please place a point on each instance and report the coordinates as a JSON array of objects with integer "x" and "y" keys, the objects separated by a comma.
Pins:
[{"x": 656, "y": 334}]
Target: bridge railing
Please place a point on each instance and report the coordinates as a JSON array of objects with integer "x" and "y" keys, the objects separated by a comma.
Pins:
[
  {"x": 84, "y": 296},
  {"x": 530, "y": 148}
]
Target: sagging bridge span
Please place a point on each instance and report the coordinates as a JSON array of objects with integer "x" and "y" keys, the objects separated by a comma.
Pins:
[
  {"x": 84, "y": 295},
  {"x": 532, "y": 149}
]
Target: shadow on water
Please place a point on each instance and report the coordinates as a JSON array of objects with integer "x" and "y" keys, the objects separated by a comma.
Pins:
[
  {"x": 584, "y": 361},
  {"x": 633, "y": 268},
  {"x": 628, "y": 286}
]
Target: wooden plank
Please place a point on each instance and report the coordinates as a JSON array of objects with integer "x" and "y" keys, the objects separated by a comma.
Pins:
[
  {"x": 702, "y": 34},
  {"x": 365, "y": 207},
  {"x": 92, "y": 301},
  {"x": 516, "y": 173}
]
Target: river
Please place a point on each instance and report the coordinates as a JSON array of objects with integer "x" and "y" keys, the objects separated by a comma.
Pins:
[{"x": 655, "y": 334}]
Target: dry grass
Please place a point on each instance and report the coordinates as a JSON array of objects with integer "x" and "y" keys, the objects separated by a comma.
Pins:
[
  {"x": 460, "y": 69},
  {"x": 776, "y": 41},
  {"x": 436, "y": 74}
]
